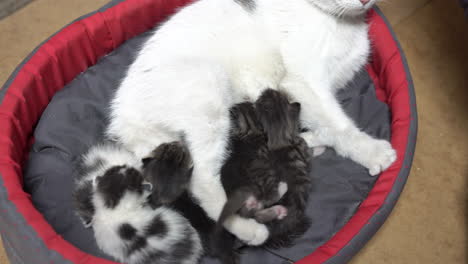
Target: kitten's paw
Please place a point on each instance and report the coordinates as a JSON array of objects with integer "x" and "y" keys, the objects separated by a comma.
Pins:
[
  {"x": 380, "y": 158},
  {"x": 175, "y": 152},
  {"x": 281, "y": 211},
  {"x": 252, "y": 203},
  {"x": 282, "y": 188},
  {"x": 247, "y": 230}
]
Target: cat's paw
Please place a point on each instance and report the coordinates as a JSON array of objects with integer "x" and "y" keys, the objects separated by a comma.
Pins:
[
  {"x": 247, "y": 230},
  {"x": 384, "y": 156},
  {"x": 317, "y": 151},
  {"x": 377, "y": 155},
  {"x": 313, "y": 142},
  {"x": 281, "y": 211},
  {"x": 311, "y": 139}
]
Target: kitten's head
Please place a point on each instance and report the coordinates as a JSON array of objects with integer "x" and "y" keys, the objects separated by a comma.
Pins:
[
  {"x": 117, "y": 181},
  {"x": 279, "y": 118},
  {"x": 169, "y": 170},
  {"x": 245, "y": 123},
  {"x": 348, "y": 8}
]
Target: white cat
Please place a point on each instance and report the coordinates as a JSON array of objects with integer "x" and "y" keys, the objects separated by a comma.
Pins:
[{"x": 216, "y": 53}]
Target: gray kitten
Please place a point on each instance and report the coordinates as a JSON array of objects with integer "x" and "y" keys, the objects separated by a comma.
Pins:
[{"x": 266, "y": 176}]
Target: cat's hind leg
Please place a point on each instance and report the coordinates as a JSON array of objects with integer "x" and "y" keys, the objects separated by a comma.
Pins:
[{"x": 330, "y": 126}]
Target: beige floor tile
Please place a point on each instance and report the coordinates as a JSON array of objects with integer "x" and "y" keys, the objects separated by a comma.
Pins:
[
  {"x": 3, "y": 257},
  {"x": 429, "y": 222},
  {"x": 398, "y": 10},
  {"x": 24, "y": 30}
]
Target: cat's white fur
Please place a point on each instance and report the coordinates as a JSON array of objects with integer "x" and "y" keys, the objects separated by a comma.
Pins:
[{"x": 215, "y": 53}]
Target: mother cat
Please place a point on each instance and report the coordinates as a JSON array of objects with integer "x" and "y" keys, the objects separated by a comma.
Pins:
[{"x": 216, "y": 53}]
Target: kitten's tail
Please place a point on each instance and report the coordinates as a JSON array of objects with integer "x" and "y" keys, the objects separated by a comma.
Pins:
[{"x": 236, "y": 201}]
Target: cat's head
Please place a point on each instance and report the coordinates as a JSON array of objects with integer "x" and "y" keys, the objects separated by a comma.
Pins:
[
  {"x": 279, "y": 118},
  {"x": 346, "y": 8},
  {"x": 169, "y": 170}
]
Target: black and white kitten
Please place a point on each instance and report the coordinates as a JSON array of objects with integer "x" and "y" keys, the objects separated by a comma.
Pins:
[{"x": 111, "y": 197}]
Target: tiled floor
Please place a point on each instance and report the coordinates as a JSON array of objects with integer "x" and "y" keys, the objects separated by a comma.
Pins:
[{"x": 429, "y": 223}]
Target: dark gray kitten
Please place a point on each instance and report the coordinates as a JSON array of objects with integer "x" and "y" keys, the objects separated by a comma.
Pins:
[
  {"x": 249, "y": 194},
  {"x": 267, "y": 151},
  {"x": 169, "y": 170}
]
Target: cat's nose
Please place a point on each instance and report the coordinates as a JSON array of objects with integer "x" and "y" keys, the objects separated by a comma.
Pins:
[{"x": 364, "y": 2}]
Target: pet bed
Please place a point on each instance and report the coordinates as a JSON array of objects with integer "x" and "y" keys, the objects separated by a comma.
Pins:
[{"x": 53, "y": 108}]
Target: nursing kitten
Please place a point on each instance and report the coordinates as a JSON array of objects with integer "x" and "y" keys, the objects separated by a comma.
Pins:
[
  {"x": 168, "y": 169},
  {"x": 267, "y": 151},
  {"x": 250, "y": 194},
  {"x": 288, "y": 158},
  {"x": 111, "y": 198},
  {"x": 213, "y": 54}
]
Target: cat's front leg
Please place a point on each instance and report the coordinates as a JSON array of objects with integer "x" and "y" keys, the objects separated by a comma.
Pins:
[
  {"x": 207, "y": 141},
  {"x": 330, "y": 126}
]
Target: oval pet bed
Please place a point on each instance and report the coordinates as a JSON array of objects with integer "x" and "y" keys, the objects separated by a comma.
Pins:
[{"x": 54, "y": 107}]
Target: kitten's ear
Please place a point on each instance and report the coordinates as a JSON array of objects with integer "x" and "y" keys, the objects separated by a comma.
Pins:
[
  {"x": 145, "y": 161},
  {"x": 296, "y": 109},
  {"x": 296, "y": 106},
  {"x": 189, "y": 172}
]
